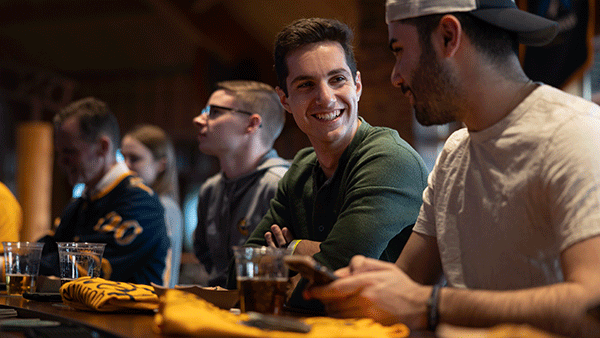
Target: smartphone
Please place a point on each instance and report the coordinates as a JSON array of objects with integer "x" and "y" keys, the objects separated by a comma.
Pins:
[
  {"x": 43, "y": 296},
  {"x": 279, "y": 323},
  {"x": 594, "y": 311},
  {"x": 310, "y": 269}
]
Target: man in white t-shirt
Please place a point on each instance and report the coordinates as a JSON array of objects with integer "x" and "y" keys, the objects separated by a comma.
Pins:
[{"x": 511, "y": 214}]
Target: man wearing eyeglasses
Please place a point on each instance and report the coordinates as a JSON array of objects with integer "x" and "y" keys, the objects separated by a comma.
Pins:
[{"x": 239, "y": 125}]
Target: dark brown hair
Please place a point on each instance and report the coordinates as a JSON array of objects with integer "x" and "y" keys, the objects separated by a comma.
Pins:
[
  {"x": 95, "y": 119},
  {"x": 306, "y": 31}
]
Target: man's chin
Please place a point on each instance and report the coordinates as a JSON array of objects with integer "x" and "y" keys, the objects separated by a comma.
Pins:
[
  {"x": 427, "y": 120},
  {"x": 422, "y": 117},
  {"x": 207, "y": 150},
  {"x": 73, "y": 180}
]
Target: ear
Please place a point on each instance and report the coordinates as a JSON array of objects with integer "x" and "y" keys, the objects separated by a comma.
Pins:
[
  {"x": 358, "y": 83},
  {"x": 161, "y": 165},
  {"x": 283, "y": 99},
  {"x": 255, "y": 123},
  {"x": 104, "y": 146},
  {"x": 448, "y": 35}
]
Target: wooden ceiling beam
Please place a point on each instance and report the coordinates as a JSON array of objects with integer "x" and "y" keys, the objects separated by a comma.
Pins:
[
  {"x": 202, "y": 6},
  {"x": 178, "y": 20}
]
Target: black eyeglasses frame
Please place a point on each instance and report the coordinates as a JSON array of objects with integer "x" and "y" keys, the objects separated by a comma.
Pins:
[{"x": 208, "y": 109}]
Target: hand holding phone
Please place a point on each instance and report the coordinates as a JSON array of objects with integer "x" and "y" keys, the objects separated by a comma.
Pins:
[
  {"x": 310, "y": 269},
  {"x": 594, "y": 311}
]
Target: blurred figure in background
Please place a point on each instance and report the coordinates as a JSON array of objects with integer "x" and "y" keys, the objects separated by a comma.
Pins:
[
  {"x": 150, "y": 153},
  {"x": 115, "y": 208},
  {"x": 11, "y": 216},
  {"x": 239, "y": 125},
  {"x": 11, "y": 220}
]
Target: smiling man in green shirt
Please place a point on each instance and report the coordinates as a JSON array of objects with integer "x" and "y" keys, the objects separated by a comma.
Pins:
[{"x": 358, "y": 189}]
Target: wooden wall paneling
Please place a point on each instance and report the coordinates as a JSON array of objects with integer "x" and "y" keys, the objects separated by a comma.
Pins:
[
  {"x": 34, "y": 180},
  {"x": 381, "y": 104}
]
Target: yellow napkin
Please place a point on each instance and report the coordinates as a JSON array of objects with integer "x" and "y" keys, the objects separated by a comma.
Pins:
[
  {"x": 98, "y": 294},
  {"x": 182, "y": 313}
]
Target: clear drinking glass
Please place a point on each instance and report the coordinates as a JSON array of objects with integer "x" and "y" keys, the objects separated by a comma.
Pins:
[
  {"x": 21, "y": 266},
  {"x": 79, "y": 260},
  {"x": 262, "y": 279}
]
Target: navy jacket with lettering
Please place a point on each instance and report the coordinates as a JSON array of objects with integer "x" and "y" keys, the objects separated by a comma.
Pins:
[{"x": 129, "y": 218}]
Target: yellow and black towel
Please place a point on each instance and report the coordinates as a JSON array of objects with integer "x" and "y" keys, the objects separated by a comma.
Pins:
[
  {"x": 182, "y": 313},
  {"x": 98, "y": 294}
]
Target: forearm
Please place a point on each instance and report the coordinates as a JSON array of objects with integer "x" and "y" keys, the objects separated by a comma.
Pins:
[
  {"x": 558, "y": 308},
  {"x": 307, "y": 247},
  {"x": 420, "y": 259}
]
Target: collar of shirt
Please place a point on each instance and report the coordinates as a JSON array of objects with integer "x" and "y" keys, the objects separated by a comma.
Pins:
[{"x": 117, "y": 171}]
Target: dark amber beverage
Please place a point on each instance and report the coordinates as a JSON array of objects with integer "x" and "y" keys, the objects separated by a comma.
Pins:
[
  {"x": 19, "y": 284},
  {"x": 262, "y": 295}
]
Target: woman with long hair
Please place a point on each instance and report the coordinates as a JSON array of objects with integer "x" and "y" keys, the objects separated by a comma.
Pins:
[{"x": 149, "y": 152}]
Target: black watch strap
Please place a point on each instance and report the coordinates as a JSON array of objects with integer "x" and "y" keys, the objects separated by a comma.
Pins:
[{"x": 432, "y": 308}]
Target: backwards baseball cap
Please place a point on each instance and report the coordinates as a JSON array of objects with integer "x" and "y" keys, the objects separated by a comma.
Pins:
[{"x": 531, "y": 29}]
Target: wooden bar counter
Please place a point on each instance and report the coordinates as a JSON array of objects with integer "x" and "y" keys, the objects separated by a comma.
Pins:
[
  {"x": 134, "y": 325},
  {"x": 108, "y": 325}
]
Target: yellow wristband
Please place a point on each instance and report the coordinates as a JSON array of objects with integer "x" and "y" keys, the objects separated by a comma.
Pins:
[{"x": 292, "y": 246}]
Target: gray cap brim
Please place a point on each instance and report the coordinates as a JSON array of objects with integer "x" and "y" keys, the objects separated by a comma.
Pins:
[{"x": 532, "y": 30}]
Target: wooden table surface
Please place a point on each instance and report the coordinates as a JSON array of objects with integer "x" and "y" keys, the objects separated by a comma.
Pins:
[
  {"x": 134, "y": 325},
  {"x": 126, "y": 325}
]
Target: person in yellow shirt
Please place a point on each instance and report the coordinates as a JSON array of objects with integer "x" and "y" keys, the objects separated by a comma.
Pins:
[
  {"x": 11, "y": 220},
  {"x": 11, "y": 216}
]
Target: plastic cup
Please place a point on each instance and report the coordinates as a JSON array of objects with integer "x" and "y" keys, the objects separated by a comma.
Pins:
[
  {"x": 262, "y": 279},
  {"x": 21, "y": 266},
  {"x": 79, "y": 260}
]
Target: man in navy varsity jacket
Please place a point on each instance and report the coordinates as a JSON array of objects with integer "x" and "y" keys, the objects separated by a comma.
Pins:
[{"x": 115, "y": 208}]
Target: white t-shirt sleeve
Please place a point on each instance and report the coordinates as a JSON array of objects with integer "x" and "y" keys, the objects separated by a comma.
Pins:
[
  {"x": 572, "y": 176},
  {"x": 426, "y": 221}
]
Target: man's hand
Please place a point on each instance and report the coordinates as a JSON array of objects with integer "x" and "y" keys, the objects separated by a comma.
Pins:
[
  {"x": 278, "y": 238},
  {"x": 374, "y": 289}
]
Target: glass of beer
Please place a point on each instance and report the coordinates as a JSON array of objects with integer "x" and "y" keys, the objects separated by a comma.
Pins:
[
  {"x": 79, "y": 259},
  {"x": 262, "y": 279},
  {"x": 21, "y": 266}
]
